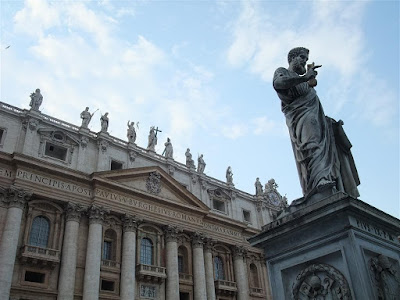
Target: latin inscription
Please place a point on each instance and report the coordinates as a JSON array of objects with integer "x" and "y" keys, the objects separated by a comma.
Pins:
[
  {"x": 6, "y": 173},
  {"x": 370, "y": 228},
  {"x": 165, "y": 212},
  {"x": 58, "y": 184}
]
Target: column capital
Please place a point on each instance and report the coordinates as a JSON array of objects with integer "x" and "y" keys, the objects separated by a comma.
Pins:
[
  {"x": 208, "y": 244},
  {"x": 171, "y": 233},
  {"x": 96, "y": 214},
  {"x": 239, "y": 252},
  {"x": 130, "y": 223},
  {"x": 14, "y": 196},
  {"x": 73, "y": 212},
  {"x": 198, "y": 240}
]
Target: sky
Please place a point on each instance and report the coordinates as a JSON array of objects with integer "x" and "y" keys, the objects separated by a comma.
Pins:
[{"x": 202, "y": 72}]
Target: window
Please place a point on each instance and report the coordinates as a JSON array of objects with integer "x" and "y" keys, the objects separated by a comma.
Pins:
[
  {"x": 180, "y": 264},
  {"x": 55, "y": 151},
  {"x": 219, "y": 205},
  {"x": 34, "y": 277},
  {"x": 219, "y": 268},
  {"x": 2, "y": 135},
  {"x": 107, "y": 285},
  {"x": 115, "y": 165},
  {"x": 146, "y": 251},
  {"x": 246, "y": 216},
  {"x": 109, "y": 244},
  {"x": 182, "y": 260},
  {"x": 40, "y": 230},
  {"x": 254, "y": 276}
]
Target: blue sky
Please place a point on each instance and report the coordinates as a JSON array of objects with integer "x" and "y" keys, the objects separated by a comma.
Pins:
[{"x": 202, "y": 70}]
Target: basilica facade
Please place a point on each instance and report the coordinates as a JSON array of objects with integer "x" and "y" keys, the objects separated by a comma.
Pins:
[{"x": 85, "y": 215}]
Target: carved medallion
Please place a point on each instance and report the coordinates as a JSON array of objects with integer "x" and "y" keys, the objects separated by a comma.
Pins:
[
  {"x": 153, "y": 183},
  {"x": 320, "y": 281}
]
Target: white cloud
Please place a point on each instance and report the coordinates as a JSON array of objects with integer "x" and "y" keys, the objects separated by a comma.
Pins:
[
  {"x": 235, "y": 131},
  {"x": 36, "y": 16}
]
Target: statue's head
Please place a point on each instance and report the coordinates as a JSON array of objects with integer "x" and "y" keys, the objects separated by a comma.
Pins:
[
  {"x": 37, "y": 90},
  {"x": 295, "y": 52},
  {"x": 87, "y": 108}
]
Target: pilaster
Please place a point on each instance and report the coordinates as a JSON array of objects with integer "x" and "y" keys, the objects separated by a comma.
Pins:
[
  {"x": 209, "y": 269},
  {"x": 172, "y": 284},
  {"x": 239, "y": 253},
  {"x": 198, "y": 267}
]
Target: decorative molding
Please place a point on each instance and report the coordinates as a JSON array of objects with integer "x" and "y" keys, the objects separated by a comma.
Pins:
[
  {"x": 96, "y": 214},
  {"x": 74, "y": 212},
  {"x": 321, "y": 281},
  {"x": 239, "y": 252},
  {"x": 153, "y": 183},
  {"x": 130, "y": 223},
  {"x": 171, "y": 170},
  {"x": 208, "y": 244},
  {"x": 132, "y": 155},
  {"x": 198, "y": 240},
  {"x": 171, "y": 233},
  {"x": 84, "y": 141},
  {"x": 386, "y": 277},
  {"x": 103, "y": 145},
  {"x": 15, "y": 197}
]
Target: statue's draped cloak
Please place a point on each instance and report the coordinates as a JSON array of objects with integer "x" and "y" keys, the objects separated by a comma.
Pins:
[{"x": 312, "y": 137}]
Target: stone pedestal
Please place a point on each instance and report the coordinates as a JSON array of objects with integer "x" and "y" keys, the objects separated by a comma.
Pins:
[{"x": 334, "y": 248}]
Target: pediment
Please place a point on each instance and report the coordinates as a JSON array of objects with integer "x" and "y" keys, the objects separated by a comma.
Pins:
[{"x": 154, "y": 182}]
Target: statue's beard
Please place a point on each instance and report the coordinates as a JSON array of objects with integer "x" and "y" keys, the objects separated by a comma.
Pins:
[{"x": 298, "y": 67}]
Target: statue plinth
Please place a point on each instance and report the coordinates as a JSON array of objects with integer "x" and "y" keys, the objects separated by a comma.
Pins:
[{"x": 337, "y": 240}]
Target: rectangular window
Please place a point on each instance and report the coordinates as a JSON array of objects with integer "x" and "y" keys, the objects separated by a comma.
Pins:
[
  {"x": 219, "y": 205},
  {"x": 107, "y": 285},
  {"x": 35, "y": 277},
  {"x": 107, "y": 250},
  {"x": 2, "y": 134},
  {"x": 180, "y": 263},
  {"x": 55, "y": 151},
  {"x": 246, "y": 216},
  {"x": 115, "y": 165}
]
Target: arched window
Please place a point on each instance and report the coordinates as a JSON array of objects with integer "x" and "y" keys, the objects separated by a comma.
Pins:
[
  {"x": 109, "y": 244},
  {"x": 219, "y": 268},
  {"x": 254, "y": 276},
  {"x": 40, "y": 231},
  {"x": 146, "y": 251}
]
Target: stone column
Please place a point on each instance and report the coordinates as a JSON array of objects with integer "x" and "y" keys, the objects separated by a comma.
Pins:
[
  {"x": 128, "y": 264},
  {"x": 66, "y": 283},
  {"x": 91, "y": 281},
  {"x": 172, "y": 285},
  {"x": 200, "y": 292},
  {"x": 242, "y": 281},
  {"x": 16, "y": 200},
  {"x": 209, "y": 270}
]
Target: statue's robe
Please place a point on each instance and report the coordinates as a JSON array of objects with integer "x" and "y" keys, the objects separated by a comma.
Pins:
[{"x": 312, "y": 137}]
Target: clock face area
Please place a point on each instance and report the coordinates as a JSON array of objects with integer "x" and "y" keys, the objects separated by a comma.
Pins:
[{"x": 274, "y": 198}]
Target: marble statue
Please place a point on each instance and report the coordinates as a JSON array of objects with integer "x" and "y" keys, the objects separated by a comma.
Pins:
[
  {"x": 311, "y": 132},
  {"x": 131, "y": 132},
  {"x": 168, "y": 151},
  {"x": 152, "y": 142},
  {"x": 86, "y": 117},
  {"x": 189, "y": 160},
  {"x": 229, "y": 175},
  {"x": 201, "y": 165},
  {"x": 104, "y": 122},
  {"x": 259, "y": 188},
  {"x": 36, "y": 100}
]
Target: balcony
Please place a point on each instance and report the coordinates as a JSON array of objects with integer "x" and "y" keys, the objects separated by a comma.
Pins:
[
  {"x": 185, "y": 278},
  {"x": 256, "y": 292},
  {"x": 110, "y": 265},
  {"x": 41, "y": 257},
  {"x": 224, "y": 287},
  {"x": 150, "y": 273}
]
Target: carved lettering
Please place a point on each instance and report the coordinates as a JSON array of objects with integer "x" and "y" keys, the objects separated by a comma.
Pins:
[
  {"x": 165, "y": 212},
  {"x": 6, "y": 173},
  {"x": 46, "y": 181},
  {"x": 370, "y": 228}
]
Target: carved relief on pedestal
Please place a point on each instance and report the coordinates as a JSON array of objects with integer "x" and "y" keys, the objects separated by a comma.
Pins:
[
  {"x": 386, "y": 277},
  {"x": 153, "y": 183},
  {"x": 321, "y": 281}
]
